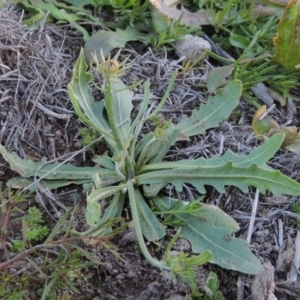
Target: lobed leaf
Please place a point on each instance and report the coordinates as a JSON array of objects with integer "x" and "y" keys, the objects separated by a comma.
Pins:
[
  {"x": 28, "y": 168},
  {"x": 216, "y": 110},
  {"x": 260, "y": 155},
  {"x": 221, "y": 176},
  {"x": 205, "y": 233}
]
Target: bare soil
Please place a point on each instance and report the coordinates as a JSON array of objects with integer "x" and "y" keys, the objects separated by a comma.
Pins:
[{"x": 37, "y": 120}]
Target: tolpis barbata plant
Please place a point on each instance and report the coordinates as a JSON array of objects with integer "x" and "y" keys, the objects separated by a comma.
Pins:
[{"x": 136, "y": 170}]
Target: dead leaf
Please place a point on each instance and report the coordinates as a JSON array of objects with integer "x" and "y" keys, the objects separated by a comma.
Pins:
[
  {"x": 286, "y": 256},
  {"x": 262, "y": 127},
  {"x": 201, "y": 17},
  {"x": 263, "y": 285}
]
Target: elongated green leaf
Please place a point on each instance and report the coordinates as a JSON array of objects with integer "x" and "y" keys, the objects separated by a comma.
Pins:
[
  {"x": 137, "y": 125},
  {"x": 205, "y": 233},
  {"x": 167, "y": 141},
  {"x": 152, "y": 229},
  {"x": 150, "y": 150},
  {"x": 111, "y": 212},
  {"x": 93, "y": 209},
  {"x": 142, "y": 143},
  {"x": 259, "y": 155},
  {"x": 216, "y": 110},
  {"x": 89, "y": 111},
  {"x": 28, "y": 168},
  {"x": 132, "y": 194},
  {"x": 22, "y": 183},
  {"x": 104, "y": 161},
  {"x": 114, "y": 209},
  {"x": 122, "y": 98},
  {"x": 220, "y": 176}
]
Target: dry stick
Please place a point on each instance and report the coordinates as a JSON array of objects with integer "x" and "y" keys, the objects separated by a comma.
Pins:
[
  {"x": 240, "y": 288},
  {"x": 241, "y": 279},
  {"x": 280, "y": 232},
  {"x": 253, "y": 213}
]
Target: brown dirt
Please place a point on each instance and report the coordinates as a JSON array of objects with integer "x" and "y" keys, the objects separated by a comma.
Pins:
[{"x": 37, "y": 120}]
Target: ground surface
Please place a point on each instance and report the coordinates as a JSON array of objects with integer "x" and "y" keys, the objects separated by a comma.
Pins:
[{"x": 37, "y": 120}]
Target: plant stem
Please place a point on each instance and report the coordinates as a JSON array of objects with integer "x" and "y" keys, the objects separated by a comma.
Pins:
[{"x": 138, "y": 229}]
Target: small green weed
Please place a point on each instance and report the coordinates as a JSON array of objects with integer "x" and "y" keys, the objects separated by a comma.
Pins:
[
  {"x": 56, "y": 265},
  {"x": 31, "y": 228}
]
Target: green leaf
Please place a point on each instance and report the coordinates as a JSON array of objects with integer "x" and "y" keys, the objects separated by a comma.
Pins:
[
  {"x": 142, "y": 143},
  {"x": 160, "y": 22},
  {"x": 80, "y": 3},
  {"x": 166, "y": 142},
  {"x": 152, "y": 229},
  {"x": 287, "y": 40},
  {"x": 93, "y": 209},
  {"x": 122, "y": 99},
  {"x": 106, "y": 41},
  {"x": 89, "y": 111},
  {"x": 22, "y": 183},
  {"x": 239, "y": 41},
  {"x": 220, "y": 176},
  {"x": 260, "y": 155},
  {"x": 156, "y": 149},
  {"x": 228, "y": 252},
  {"x": 28, "y": 168},
  {"x": 216, "y": 110},
  {"x": 104, "y": 161},
  {"x": 58, "y": 13},
  {"x": 204, "y": 233},
  {"x": 216, "y": 76}
]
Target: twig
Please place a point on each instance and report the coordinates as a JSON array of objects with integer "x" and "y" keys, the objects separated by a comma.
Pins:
[
  {"x": 294, "y": 273},
  {"x": 253, "y": 213},
  {"x": 240, "y": 288},
  {"x": 280, "y": 232}
]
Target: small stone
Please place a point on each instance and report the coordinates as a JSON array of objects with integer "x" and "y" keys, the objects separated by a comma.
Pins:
[
  {"x": 58, "y": 133},
  {"x": 131, "y": 274},
  {"x": 191, "y": 47}
]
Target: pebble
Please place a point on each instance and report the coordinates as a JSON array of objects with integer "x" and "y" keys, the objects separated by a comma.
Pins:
[{"x": 191, "y": 47}]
